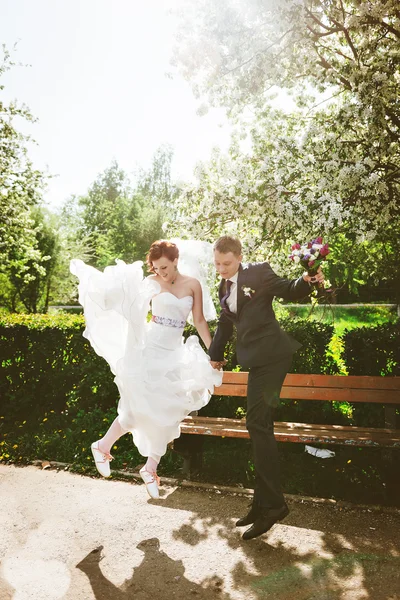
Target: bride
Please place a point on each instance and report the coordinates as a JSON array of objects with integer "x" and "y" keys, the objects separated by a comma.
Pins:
[{"x": 160, "y": 378}]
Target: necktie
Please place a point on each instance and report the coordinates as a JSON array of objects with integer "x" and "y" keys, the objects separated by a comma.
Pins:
[{"x": 224, "y": 298}]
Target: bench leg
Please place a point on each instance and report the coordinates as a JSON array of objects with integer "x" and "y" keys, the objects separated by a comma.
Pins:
[
  {"x": 391, "y": 475},
  {"x": 390, "y": 459},
  {"x": 191, "y": 448},
  {"x": 390, "y": 416},
  {"x": 186, "y": 467}
]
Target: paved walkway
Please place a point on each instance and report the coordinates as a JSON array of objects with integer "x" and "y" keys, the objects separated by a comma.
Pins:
[{"x": 64, "y": 536}]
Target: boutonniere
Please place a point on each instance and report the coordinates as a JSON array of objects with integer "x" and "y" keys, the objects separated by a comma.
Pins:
[{"x": 247, "y": 291}]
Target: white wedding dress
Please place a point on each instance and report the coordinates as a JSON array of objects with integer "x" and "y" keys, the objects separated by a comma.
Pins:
[{"x": 160, "y": 377}]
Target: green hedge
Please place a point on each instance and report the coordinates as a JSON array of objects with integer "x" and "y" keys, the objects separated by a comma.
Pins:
[
  {"x": 372, "y": 351},
  {"x": 48, "y": 366}
]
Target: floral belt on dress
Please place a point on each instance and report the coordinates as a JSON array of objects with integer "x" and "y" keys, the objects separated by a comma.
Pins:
[{"x": 168, "y": 322}]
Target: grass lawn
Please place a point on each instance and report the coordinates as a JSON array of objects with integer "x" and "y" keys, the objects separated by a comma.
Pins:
[{"x": 343, "y": 317}]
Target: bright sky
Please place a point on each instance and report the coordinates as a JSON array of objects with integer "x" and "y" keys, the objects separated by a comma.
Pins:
[{"x": 97, "y": 84}]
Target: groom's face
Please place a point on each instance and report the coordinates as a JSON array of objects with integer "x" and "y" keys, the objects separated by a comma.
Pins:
[{"x": 227, "y": 264}]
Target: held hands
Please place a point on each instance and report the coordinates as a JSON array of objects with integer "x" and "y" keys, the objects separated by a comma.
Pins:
[
  {"x": 218, "y": 364},
  {"x": 317, "y": 278}
]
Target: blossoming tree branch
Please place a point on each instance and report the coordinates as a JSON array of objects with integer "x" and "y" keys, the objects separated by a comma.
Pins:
[{"x": 331, "y": 163}]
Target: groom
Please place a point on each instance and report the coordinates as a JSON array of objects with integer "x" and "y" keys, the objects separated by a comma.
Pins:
[{"x": 265, "y": 350}]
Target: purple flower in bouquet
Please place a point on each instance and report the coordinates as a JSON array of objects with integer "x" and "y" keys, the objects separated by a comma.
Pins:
[{"x": 310, "y": 255}]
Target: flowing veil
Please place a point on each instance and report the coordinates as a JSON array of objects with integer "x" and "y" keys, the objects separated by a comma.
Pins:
[{"x": 196, "y": 259}]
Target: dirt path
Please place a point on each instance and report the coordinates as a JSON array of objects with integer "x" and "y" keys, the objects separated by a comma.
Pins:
[{"x": 53, "y": 524}]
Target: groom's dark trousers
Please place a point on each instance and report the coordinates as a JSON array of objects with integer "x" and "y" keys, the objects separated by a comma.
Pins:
[
  {"x": 263, "y": 391},
  {"x": 266, "y": 352}
]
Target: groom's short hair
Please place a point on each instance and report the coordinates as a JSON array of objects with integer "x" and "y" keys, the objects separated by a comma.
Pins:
[{"x": 226, "y": 244}]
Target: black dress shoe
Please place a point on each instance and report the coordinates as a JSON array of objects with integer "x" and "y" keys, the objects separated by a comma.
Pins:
[
  {"x": 265, "y": 521},
  {"x": 249, "y": 518}
]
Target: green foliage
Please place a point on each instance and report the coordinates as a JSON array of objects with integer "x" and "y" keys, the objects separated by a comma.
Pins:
[
  {"x": 63, "y": 285},
  {"x": 119, "y": 220},
  {"x": 114, "y": 220},
  {"x": 313, "y": 357},
  {"x": 47, "y": 365},
  {"x": 20, "y": 184},
  {"x": 366, "y": 271},
  {"x": 373, "y": 350},
  {"x": 65, "y": 436},
  {"x": 31, "y": 276},
  {"x": 24, "y": 239},
  {"x": 106, "y": 216},
  {"x": 315, "y": 338},
  {"x": 156, "y": 184}
]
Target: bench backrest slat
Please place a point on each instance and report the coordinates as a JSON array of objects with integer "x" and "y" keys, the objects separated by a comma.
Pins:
[
  {"x": 293, "y": 379},
  {"x": 345, "y": 381},
  {"x": 341, "y": 388},
  {"x": 341, "y": 394}
]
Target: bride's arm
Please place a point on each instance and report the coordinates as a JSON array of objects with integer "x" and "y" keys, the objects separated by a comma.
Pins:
[{"x": 198, "y": 317}]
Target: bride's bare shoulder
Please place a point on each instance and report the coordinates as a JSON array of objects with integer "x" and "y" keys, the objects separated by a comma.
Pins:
[
  {"x": 193, "y": 283},
  {"x": 190, "y": 280}
]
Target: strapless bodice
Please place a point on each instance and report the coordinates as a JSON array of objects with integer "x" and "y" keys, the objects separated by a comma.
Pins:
[{"x": 168, "y": 306}]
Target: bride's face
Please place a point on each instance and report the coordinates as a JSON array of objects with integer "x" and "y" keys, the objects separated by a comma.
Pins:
[{"x": 165, "y": 268}]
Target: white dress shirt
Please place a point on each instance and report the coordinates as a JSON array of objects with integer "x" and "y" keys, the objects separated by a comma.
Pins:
[{"x": 232, "y": 298}]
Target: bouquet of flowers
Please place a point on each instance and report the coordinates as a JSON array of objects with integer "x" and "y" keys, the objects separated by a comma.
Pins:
[{"x": 310, "y": 255}]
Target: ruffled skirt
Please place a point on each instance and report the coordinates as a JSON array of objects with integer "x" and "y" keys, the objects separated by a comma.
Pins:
[{"x": 159, "y": 386}]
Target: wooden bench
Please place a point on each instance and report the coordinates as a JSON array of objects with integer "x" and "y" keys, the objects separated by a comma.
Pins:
[{"x": 298, "y": 387}]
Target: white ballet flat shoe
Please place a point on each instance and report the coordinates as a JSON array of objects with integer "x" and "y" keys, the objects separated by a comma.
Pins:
[
  {"x": 152, "y": 482},
  {"x": 101, "y": 459}
]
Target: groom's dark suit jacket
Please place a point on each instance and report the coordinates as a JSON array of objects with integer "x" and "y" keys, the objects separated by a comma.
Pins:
[{"x": 260, "y": 339}]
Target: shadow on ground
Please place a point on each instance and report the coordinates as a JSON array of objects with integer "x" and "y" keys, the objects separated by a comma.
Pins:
[
  {"x": 317, "y": 553},
  {"x": 158, "y": 576}
]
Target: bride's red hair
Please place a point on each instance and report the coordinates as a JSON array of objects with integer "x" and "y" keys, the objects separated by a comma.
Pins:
[{"x": 161, "y": 248}]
